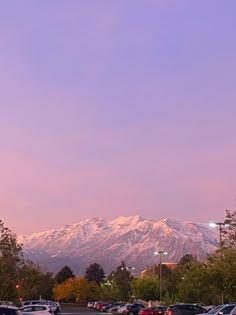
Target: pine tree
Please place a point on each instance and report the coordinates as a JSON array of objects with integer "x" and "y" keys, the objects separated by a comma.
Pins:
[
  {"x": 64, "y": 274},
  {"x": 95, "y": 273}
]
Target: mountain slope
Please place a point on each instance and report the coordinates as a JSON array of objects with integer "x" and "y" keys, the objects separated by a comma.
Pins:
[{"x": 132, "y": 239}]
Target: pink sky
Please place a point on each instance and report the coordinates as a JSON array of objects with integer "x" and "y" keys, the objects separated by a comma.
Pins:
[{"x": 107, "y": 113}]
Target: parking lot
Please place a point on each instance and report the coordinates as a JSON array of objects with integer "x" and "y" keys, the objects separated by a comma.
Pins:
[{"x": 67, "y": 310}]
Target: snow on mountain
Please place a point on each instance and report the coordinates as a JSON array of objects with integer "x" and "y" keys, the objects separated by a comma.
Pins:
[{"x": 132, "y": 239}]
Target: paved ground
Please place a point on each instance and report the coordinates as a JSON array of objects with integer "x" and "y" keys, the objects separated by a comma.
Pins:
[{"x": 73, "y": 310}]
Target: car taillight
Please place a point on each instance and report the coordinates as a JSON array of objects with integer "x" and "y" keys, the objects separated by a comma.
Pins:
[{"x": 169, "y": 312}]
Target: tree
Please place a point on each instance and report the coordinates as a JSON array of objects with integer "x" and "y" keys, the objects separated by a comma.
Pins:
[
  {"x": 64, "y": 274},
  {"x": 146, "y": 288},
  {"x": 11, "y": 259},
  {"x": 229, "y": 229},
  {"x": 122, "y": 281},
  {"x": 34, "y": 282},
  {"x": 77, "y": 289},
  {"x": 95, "y": 273},
  {"x": 221, "y": 272}
]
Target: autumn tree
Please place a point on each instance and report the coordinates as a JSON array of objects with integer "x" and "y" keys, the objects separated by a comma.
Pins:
[
  {"x": 95, "y": 273},
  {"x": 77, "y": 289},
  {"x": 64, "y": 274}
]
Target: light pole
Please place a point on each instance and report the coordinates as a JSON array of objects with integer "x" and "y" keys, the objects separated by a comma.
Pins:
[
  {"x": 220, "y": 225},
  {"x": 160, "y": 252}
]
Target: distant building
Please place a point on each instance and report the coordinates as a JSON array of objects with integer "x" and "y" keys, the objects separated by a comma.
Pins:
[{"x": 170, "y": 265}]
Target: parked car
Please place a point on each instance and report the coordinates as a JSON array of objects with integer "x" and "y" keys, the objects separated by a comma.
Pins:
[
  {"x": 90, "y": 304},
  {"x": 55, "y": 306},
  {"x": 223, "y": 309},
  {"x": 132, "y": 309},
  {"x": 9, "y": 310},
  {"x": 185, "y": 309},
  {"x": 114, "y": 307},
  {"x": 155, "y": 310},
  {"x": 36, "y": 310}
]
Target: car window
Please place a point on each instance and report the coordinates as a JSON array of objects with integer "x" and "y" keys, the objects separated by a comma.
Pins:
[
  {"x": 227, "y": 309},
  {"x": 27, "y": 303},
  {"x": 27, "y": 309},
  {"x": 39, "y": 308},
  {"x": 215, "y": 309},
  {"x": 182, "y": 307}
]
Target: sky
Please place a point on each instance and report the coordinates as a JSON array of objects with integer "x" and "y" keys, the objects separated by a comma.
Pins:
[{"x": 116, "y": 108}]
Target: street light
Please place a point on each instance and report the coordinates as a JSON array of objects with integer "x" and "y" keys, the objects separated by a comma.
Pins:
[
  {"x": 220, "y": 225},
  {"x": 160, "y": 252}
]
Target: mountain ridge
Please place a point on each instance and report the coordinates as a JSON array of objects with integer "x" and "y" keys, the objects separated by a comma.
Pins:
[{"x": 132, "y": 239}]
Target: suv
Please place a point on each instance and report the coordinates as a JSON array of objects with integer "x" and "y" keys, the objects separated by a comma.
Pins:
[
  {"x": 9, "y": 310},
  {"x": 185, "y": 309}
]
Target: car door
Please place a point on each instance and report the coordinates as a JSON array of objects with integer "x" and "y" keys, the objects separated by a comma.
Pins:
[
  {"x": 27, "y": 310},
  {"x": 39, "y": 309}
]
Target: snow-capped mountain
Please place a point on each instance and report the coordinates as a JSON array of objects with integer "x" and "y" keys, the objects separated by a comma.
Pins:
[{"x": 131, "y": 239}]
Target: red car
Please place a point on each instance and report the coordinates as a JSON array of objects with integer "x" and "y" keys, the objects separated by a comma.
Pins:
[{"x": 155, "y": 310}]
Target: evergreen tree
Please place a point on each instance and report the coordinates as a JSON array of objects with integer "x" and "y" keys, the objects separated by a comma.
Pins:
[
  {"x": 64, "y": 274},
  {"x": 122, "y": 281},
  {"x": 95, "y": 273},
  {"x": 229, "y": 229}
]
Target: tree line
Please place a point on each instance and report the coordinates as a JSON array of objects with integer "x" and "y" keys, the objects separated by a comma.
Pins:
[{"x": 212, "y": 281}]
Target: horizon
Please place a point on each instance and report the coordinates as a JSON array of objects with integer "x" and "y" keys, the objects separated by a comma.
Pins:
[{"x": 108, "y": 113}]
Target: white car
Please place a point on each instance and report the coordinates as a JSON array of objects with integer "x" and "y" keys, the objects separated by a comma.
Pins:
[
  {"x": 36, "y": 310},
  {"x": 224, "y": 309}
]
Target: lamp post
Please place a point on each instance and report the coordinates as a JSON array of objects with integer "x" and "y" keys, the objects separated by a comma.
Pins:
[
  {"x": 220, "y": 225},
  {"x": 160, "y": 252}
]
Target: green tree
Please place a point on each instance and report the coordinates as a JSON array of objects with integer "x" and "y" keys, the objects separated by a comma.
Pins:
[
  {"x": 95, "y": 273},
  {"x": 34, "y": 282},
  {"x": 122, "y": 281},
  {"x": 64, "y": 274},
  {"x": 11, "y": 259},
  {"x": 221, "y": 273},
  {"x": 146, "y": 288}
]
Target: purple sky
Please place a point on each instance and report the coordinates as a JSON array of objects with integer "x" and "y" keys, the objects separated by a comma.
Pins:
[{"x": 113, "y": 108}]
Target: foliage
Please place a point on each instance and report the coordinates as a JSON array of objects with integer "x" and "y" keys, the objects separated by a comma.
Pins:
[
  {"x": 11, "y": 259},
  {"x": 34, "y": 283},
  {"x": 95, "y": 273},
  {"x": 122, "y": 282},
  {"x": 221, "y": 273},
  {"x": 146, "y": 288},
  {"x": 77, "y": 289},
  {"x": 229, "y": 230},
  {"x": 64, "y": 274}
]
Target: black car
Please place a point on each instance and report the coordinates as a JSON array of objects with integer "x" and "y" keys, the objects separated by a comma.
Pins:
[
  {"x": 9, "y": 310},
  {"x": 185, "y": 309},
  {"x": 133, "y": 309}
]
